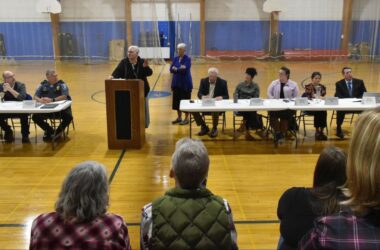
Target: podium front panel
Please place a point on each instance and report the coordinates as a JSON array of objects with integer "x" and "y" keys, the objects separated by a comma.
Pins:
[
  {"x": 125, "y": 106},
  {"x": 123, "y": 115}
]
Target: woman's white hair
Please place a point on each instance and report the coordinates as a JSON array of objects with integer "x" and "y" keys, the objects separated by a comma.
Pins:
[
  {"x": 84, "y": 193},
  {"x": 134, "y": 48},
  {"x": 181, "y": 46},
  {"x": 213, "y": 70}
]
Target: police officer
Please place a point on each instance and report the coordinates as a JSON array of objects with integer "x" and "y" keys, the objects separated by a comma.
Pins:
[
  {"x": 52, "y": 90},
  {"x": 13, "y": 91}
]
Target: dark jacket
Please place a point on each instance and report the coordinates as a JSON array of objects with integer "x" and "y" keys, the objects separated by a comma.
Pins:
[
  {"x": 19, "y": 87},
  {"x": 125, "y": 70},
  {"x": 358, "y": 89},
  {"x": 220, "y": 88}
]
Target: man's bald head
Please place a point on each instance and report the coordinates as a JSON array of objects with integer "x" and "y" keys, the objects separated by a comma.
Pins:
[{"x": 9, "y": 76}]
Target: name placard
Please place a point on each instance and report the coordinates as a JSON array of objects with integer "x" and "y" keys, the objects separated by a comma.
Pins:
[
  {"x": 332, "y": 101},
  {"x": 369, "y": 100},
  {"x": 29, "y": 104},
  {"x": 256, "y": 102},
  {"x": 208, "y": 102},
  {"x": 301, "y": 101}
]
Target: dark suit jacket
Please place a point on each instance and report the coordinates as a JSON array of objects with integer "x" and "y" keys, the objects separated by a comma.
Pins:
[
  {"x": 125, "y": 70},
  {"x": 20, "y": 88},
  {"x": 358, "y": 89},
  {"x": 220, "y": 88}
]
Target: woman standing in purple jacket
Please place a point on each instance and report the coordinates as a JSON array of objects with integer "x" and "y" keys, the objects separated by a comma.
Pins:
[{"x": 182, "y": 83}]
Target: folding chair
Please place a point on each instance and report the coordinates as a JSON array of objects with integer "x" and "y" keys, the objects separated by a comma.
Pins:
[
  {"x": 306, "y": 119},
  {"x": 207, "y": 117}
]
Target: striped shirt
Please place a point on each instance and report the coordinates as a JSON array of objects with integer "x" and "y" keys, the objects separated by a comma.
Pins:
[{"x": 344, "y": 231}]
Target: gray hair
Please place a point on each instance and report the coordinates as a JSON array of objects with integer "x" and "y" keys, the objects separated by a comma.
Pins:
[
  {"x": 190, "y": 163},
  {"x": 50, "y": 72},
  {"x": 134, "y": 48},
  {"x": 181, "y": 46},
  {"x": 84, "y": 193},
  {"x": 213, "y": 70}
]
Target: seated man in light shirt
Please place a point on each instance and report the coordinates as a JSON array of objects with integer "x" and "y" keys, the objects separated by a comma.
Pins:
[
  {"x": 13, "y": 91},
  {"x": 212, "y": 87},
  {"x": 282, "y": 88}
]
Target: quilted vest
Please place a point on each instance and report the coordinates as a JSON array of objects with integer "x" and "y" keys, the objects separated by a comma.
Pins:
[{"x": 190, "y": 219}]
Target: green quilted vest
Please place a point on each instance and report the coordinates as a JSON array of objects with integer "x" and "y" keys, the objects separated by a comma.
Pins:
[{"x": 190, "y": 219}]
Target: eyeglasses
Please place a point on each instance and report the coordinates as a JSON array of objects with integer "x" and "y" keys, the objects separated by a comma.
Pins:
[{"x": 8, "y": 77}]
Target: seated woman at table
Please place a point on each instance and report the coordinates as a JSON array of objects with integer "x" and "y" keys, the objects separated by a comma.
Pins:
[
  {"x": 316, "y": 90},
  {"x": 247, "y": 90},
  {"x": 282, "y": 88}
]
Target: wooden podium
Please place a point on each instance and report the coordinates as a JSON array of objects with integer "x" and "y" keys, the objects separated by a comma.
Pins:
[{"x": 125, "y": 105}]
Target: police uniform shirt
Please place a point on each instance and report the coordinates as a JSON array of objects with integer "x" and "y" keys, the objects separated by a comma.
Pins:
[{"x": 52, "y": 90}]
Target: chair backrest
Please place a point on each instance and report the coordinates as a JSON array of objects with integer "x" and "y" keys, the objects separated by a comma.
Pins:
[{"x": 28, "y": 97}]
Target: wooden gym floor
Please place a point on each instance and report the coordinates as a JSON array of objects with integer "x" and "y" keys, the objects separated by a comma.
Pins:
[{"x": 251, "y": 175}]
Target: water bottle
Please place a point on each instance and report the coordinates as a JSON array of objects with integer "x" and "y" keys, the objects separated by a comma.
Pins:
[
  {"x": 318, "y": 92},
  {"x": 235, "y": 97}
]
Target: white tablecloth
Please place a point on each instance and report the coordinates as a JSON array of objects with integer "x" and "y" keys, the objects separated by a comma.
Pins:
[
  {"x": 17, "y": 108},
  {"x": 349, "y": 104}
]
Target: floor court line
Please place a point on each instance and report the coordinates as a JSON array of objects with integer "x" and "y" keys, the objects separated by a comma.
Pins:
[
  {"x": 135, "y": 224},
  {"x": 114, "y": 171}
]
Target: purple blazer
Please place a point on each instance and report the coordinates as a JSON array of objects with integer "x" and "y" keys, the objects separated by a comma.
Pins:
[{"x": 182, "y": 77}]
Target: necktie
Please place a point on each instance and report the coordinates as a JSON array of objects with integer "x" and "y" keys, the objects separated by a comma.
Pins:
[
  {"x": 350, "y": 88},
  {"x": 282, "y": 94}
]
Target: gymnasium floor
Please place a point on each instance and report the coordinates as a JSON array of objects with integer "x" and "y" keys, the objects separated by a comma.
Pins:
[{"x": 251, "y": 175}]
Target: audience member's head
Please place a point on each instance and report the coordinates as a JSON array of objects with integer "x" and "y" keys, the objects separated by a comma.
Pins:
[
  {"x": 250, "y": 73},
  {"x": 330, "y": 168},
  {"x": 84, "y": 193},
  {"x": 329, "y": 176},
  {"x": 190, "y": 163},
  {"x": 363, "y": 165}
]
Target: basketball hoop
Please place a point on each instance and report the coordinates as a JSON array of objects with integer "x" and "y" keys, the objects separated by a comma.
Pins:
[
  {"x": 274, "y": 6},
  {"x": 48, "y": 6}
]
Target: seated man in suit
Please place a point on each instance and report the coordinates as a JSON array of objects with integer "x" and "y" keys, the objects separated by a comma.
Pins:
[
  {"x": 188, "y": 216},
  {"x": 52, "y": 90},
  {"x": 213, "y": 87},
  {"x": 13, "y": 91},
  {"x": 348, "y": 87}
]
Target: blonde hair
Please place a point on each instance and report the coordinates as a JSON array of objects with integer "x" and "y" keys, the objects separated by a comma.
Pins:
[{"x": 363, "y": 165}]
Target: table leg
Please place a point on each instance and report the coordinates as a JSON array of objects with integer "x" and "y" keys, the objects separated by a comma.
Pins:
[{"x": 190, "y": 121}]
